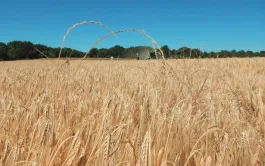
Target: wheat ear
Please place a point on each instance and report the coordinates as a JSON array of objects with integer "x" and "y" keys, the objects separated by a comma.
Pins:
[{"x": 79, "y": 24}]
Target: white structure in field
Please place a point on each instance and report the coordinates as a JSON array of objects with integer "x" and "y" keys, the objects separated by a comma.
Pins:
[{"x": 140, "y": 53}]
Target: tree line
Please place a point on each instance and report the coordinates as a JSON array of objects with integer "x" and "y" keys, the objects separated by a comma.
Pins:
[{"x": 17, "y": 50}]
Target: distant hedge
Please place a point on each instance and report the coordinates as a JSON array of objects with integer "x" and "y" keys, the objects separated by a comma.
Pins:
[{"x": 17, "y": 50}]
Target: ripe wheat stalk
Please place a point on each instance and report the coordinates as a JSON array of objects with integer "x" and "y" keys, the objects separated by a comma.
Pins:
[{"x": 178, "y": 112}]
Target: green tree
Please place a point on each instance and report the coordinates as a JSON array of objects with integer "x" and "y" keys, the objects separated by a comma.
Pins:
[
  {"x": 41, "y": 47},
  {"x": 77, "y": 53},
  {"x": 184, "y": 52},
  {"x": 93, "y": 53},
  {"x": 241, "y": 53},
  {"x": 224, "y": 54},
  {"x": 166, "y": 51},
  {"x": 103, "y": 53},
  {"x": 205, "y": 54},
  {"x": 116, "y": 51},
  {"x": 21, "y": 50},
  {"x": 196, "y": 53},
  {"x": 3, "y": 51},
  {"x": 173, "y": 53},
  {"x": 249, "y": 53},
  {"x": 262, "y": 53},
  {"x": 233, "y": 53}
]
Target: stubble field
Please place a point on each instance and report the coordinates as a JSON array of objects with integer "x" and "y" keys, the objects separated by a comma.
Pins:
[{"x": 168, "y": 112}]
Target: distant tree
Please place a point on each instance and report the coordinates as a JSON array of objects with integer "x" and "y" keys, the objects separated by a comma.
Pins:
[
  {"x": 103, "y": 53},
  {"x": 195, "y": 53},
  {"x": 241, "y": 53},
  {"x": 26, "y": 50},
  {"x": 166, "y": 51},
  {"x": 262, "y": 53},
  {"x": 3, "y": 51},
  {"x": 33, "y": 54},
  {"x": 205, "y": 54},
  {"x": 256, "y": 54},
  {"x": 224, "y": 54},
  {"x": 233, "y": 53},
  {"x": 183, "y": 52},
  {"x": 212, "y": 54},
  {"x": 21, "y": 50},
  {"x": 249, "y": 54},
  {"x": 13, "y": 50},
  {"x": 41, "y": 47},
  {"x": 66, "y": 52},
  {"x": 152, "y": 55},
  {"x": 116, "y": 51},
  {"x": 173, "y": 53},
  {"x": 93, "y": 53},
  {"x": 76, "y": 53}
]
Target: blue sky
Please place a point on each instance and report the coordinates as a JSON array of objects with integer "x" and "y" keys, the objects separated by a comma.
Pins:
[{"x": 205, "y": 24}]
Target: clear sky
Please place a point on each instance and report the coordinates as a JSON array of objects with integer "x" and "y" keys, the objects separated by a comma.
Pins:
[{"x": 205, "y": 24}]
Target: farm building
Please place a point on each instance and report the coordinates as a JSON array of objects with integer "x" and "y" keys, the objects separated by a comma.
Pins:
[{"x": 140, "y": 53}]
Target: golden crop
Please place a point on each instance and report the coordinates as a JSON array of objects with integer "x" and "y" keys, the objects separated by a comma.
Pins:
[{"x": 160, "y": 112}]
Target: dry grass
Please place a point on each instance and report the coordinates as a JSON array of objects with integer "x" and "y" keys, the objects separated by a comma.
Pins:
[{"x": 175, "y": 112}]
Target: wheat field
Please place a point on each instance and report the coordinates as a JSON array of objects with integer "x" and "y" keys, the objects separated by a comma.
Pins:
[{"x": 189, "y": 112}]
